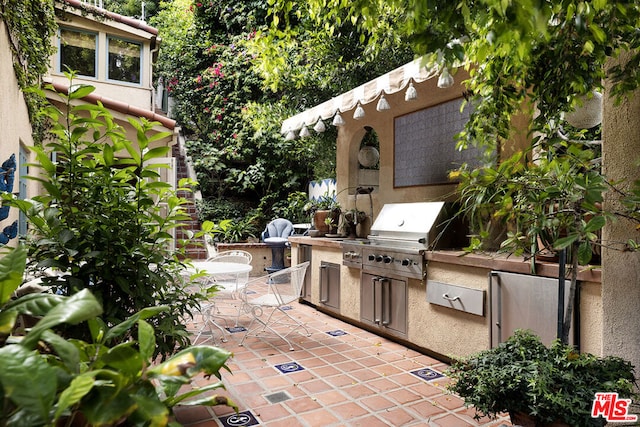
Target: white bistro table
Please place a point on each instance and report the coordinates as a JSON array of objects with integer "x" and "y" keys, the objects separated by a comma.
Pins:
[
  {"x": 219, "y": 268},
  {"x": 229, "y": 278}
]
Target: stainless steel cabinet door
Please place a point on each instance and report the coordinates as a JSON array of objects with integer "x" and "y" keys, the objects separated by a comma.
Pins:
[
  {"x": 330, "y": 285},
  {"x": 384, "y": 303}
]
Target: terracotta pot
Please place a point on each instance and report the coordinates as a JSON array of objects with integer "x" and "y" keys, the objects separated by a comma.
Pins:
[{"x": 319, "y": 218}]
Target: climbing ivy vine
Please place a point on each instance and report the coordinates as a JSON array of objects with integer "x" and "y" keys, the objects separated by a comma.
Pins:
[{"x": 30, "y": 26}]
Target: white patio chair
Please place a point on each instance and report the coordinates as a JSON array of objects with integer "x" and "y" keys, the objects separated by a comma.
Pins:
[
  {"x": 202, "y": 319},
  {"x": 229, "y": 286},
  {"x": 267, "y": 300}
]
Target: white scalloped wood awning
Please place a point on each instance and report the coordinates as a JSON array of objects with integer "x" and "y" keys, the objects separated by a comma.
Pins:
[{"x": 392, "y": 82}]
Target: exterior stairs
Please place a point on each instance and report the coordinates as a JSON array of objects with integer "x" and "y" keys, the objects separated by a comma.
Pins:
[{"x": 194, "y": 249}]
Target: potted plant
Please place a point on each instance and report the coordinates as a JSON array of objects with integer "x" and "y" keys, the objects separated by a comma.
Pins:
[
  {"x": 331, "y": 225},
  {"x": 550, "y": 204},
  {"x": 323, "y": 208},
  {"x": 539, "y": 386}
]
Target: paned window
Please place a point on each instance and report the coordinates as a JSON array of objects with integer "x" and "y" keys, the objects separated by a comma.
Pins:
[
  {"x": 124, "y": 60},
  {"x": 78, "y": 52}
]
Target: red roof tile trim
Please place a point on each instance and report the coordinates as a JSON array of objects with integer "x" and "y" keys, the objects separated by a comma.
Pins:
[
  {"x": 120, "y": 106},
  {"x": 114, "y": 16}
]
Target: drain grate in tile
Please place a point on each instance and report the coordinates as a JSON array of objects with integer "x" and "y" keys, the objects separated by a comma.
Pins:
[
  {"x": 277, "y": 397},
  {"x": 245, "y": 418},
  {"x": 286, "y": 368},
  {"x": 427, "y": 374},
  {"x": 234, "y": 329},
  {"x": 336, "y": 333}
]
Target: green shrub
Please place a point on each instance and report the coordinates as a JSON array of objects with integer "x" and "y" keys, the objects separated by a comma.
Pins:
[
  {"x": 217, "y": 209},
  {"x": 522, "y": 375},
  {"x": 104, "y": 220},
  {"x": 48, "y": 380},
  {"x": 293, "y": 208}
]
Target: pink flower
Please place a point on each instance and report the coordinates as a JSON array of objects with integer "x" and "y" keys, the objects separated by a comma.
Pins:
[{"x": 217, "y": 69}]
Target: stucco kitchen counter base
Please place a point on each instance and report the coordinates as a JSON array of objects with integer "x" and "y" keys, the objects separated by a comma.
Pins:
[{"x": 439, "y": 331}]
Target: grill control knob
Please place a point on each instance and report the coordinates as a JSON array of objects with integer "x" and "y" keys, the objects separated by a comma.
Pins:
[
  {"x": 372, "y": 257},
  {"x": 405, "y": 262},
  {"x": 379, "y": 258},
  {"x": 387, "y": 259}
]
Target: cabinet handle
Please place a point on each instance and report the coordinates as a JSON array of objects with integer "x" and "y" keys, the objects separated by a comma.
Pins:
[
  {"x": 448, "y": 298},
  {"x": 386, "y": 301},
  {"x": 324, "y": 285},
  {"x": 377, "y": 300}
]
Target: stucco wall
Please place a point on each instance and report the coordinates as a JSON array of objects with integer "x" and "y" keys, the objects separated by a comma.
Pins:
[
  {"x": 348, "y": 145},
  {"x": 591, "y": 317},
  {"x": 444, "y": 330},
  {"x": 621, "y": 270},
  {"x": 15, "y": 126}
]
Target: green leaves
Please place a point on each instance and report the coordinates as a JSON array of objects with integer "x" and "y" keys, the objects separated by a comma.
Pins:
[
  {"x": 186, "y": 364},
  {"x": 105, "y": 384},
  {"x": 77, "y": 308},
  {"x": 11, "y": 266},
  {"x": 552, "y": 203},
  {"x": 79, "y": 387},
  {"x": 32, "y": 28},
  {"x": 551, "y": 383},
  {"x": 29, "y": 382},
  {"x": 105, "y": 219},
  {"x": 80, "y": 91}
]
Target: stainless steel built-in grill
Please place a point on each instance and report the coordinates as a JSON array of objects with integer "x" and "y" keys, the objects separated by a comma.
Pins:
[
  {"x": 399, "y": 236},
  {"x": 405, "y": 225},
  {"x": 388, "y": 262},
  {"x": 392, "y": 254}
]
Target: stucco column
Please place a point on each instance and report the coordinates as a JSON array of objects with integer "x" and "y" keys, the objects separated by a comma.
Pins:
[{"x": 621, "y": 269}]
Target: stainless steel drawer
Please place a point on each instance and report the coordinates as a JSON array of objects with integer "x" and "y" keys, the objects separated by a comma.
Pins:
[{"x": 457, "y": 297}]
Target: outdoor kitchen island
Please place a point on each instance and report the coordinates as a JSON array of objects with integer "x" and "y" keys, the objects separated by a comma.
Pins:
[{"x": 447, "y": 314}]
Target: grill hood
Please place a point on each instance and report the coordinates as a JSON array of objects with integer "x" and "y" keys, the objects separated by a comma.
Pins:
[{"x": 405, "y": 224}]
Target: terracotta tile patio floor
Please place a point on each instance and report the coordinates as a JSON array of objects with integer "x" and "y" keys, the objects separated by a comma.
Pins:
[{"x": 341, "y": 375}]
